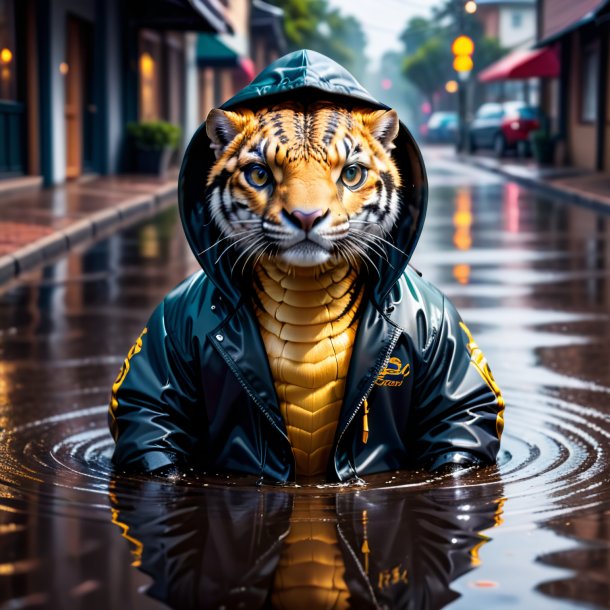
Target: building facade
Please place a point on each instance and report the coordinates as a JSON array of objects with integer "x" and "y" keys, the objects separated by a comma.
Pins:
[
  {"x": 74, "y": 73},
  {"x": 229, "y": 62},
  {"x": 578, "y": 102},
  {"x": 511, "y": 22}
]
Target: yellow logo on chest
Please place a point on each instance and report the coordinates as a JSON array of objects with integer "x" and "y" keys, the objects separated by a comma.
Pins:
[{"x": 394, "y": 374}]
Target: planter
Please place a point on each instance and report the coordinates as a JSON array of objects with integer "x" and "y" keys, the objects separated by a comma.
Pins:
[
  {"x": 543, "y": 150},
  {"x": 155, "y": 162}
]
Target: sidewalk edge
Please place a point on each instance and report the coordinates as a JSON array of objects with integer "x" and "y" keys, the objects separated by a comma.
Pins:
[{"x": 60, "y": 242}]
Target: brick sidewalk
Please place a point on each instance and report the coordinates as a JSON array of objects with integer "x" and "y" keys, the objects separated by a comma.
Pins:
[{"x": 37, "y": 224}]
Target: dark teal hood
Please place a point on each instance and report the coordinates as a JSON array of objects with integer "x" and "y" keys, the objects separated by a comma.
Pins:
[{"x": 302, "y": 75}]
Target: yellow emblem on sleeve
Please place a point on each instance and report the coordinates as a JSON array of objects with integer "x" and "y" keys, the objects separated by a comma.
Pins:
[
  {"x": 135, "y": 348},
  {"x": 478, "y": 360}
]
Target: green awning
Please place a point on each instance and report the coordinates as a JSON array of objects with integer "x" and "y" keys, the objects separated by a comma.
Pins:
[{"x": 212, "y": 51}]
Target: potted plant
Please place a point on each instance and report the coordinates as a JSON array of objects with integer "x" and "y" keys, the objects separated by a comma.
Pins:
[
  {"x": 154, "y": 143},
  {"x": 543, "y": 146}
]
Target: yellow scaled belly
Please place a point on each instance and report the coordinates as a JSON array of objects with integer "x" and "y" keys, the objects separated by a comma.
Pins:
[{"x": 308, "y": 324}]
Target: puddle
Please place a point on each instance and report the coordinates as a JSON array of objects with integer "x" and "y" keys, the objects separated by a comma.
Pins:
[{"x": 531, "y": 279}]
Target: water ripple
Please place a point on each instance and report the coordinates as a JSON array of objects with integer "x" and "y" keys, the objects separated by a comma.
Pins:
[{"x": 553, "y": 460}]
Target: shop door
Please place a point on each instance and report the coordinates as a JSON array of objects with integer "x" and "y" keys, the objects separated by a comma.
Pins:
[{"x": 79, "y": 105}]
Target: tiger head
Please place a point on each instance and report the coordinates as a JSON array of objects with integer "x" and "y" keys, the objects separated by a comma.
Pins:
[{"x": 307, "y": 183}]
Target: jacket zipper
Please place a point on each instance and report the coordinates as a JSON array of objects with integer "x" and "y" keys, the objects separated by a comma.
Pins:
[
  {"x": 251, "y": 394},
  {"x": 364, "y": 399}
]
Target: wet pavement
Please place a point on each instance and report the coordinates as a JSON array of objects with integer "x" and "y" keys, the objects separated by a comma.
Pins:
[
  {"x": 39, "y": 225},
  {"x": 531, "y": 278}
]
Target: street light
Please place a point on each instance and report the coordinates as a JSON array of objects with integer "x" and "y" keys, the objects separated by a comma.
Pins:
[
  {"x": 451, "y": 86},
  {"x": 462, "y": 48},
  {"x": 470, "y": 7}
]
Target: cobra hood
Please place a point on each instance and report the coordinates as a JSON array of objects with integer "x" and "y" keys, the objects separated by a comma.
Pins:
[{"x": 300, "y": 75}]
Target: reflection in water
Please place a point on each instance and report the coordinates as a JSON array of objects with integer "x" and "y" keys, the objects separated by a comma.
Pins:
[
  {"x": 303, "y": 549},
  {"x": 462, "y": 237},
  {"x": 462, "y": 219},
  {"x": 511, "y": 206},
  {"x": 461, "y": 273}
]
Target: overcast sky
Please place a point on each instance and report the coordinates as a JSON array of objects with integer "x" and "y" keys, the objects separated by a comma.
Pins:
[{"x": 383, "y": 20}]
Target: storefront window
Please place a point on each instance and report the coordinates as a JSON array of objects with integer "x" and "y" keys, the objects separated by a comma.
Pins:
[
  {"x": 150, "y": 74},
  {"x": 8, "y": 72},
  {"x": 590, "y": 70}
]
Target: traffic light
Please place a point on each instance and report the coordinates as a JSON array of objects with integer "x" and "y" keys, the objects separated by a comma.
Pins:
[{"x": 462, "y": 49}]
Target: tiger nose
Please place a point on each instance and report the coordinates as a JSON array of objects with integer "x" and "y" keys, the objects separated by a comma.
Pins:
[{"x": 305, "y": 220}]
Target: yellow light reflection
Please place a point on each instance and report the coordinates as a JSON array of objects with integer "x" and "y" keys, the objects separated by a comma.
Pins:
[
  {"x": 462, "y": 220},
  {"x": 7, "y": 372},
  {"x": 149, "y": 243},
  {"x": 64, "y": 68},
  {"x": 6, "y": 56},
  {"x": 461, "y": 273}
]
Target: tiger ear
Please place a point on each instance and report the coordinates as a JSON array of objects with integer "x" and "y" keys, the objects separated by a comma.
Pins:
[
  {"x": 222, "y": 126},
  {"x": 384, "y": 125}
]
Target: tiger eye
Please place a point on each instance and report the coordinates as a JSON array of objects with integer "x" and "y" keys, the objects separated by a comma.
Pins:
[
  {"x": 257, "y": 176},
  {"x": 353, "y": 176}
]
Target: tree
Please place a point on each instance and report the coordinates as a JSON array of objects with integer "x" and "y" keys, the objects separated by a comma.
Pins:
[
  {"x": 428, "y": 59},
  {"x": 311, "y": 24},
  {"x": 430, "y": 67}
]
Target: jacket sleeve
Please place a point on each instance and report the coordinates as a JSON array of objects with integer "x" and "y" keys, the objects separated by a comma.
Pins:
[
  {"x": 460, "y": 412},
  {"x": 153, "y": 406}
]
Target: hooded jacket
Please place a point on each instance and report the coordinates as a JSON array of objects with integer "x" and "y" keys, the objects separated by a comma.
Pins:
[{"x": 196, "y": 389}]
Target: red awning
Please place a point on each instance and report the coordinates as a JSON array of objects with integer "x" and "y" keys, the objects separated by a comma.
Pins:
[{"x": 523, "y": 64}]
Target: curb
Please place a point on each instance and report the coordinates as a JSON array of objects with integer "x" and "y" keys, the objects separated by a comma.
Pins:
[
  {"x": 59, "y": 243},
  {"x": 589, "y": 200}
]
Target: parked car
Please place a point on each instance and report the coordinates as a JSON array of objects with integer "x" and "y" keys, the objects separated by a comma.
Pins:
[
  {"x": 503, "y": 127},
  {"x": 441, "y": 127}
]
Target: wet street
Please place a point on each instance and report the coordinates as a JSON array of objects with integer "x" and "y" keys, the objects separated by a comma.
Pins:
[{"x": 531, "y": 278}]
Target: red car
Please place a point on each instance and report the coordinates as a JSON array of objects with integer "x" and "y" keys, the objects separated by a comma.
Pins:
[{"x": 503, "y": 126}]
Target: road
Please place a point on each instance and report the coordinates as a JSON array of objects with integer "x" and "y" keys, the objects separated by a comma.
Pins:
[{"x": 531, "y": 278}]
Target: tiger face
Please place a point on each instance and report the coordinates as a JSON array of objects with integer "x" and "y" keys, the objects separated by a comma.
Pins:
[{"x": 307, "y": 183}]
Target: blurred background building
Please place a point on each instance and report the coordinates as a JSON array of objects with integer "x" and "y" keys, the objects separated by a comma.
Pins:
[
  {"x": 578, "y": 100},
  {"x": 75, "y": 73}
]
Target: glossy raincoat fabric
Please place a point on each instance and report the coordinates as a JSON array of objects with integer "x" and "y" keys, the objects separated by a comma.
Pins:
[{"x": 196, "y": 389}]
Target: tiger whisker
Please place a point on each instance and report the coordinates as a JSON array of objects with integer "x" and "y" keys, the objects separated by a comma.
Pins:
[
  {"x": 232, "y": 244},
  {"x": 252, "y": 253},
  {"x": 377, "y": 237},
  {"x": 261, "y": 254},
  {"x": 246, "y": 250},
  {"x": 352, "y": 255},
  {"x": 363, "y": 253},
  {"x": 378, "y": 249},
  {"x": 367, "y": 222},
  {"x": 221, "y": 239},
  {"x": 347, "y": 255}
]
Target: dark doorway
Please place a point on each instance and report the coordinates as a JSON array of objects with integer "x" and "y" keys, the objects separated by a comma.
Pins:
[{"x": 80, "y": 108}]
